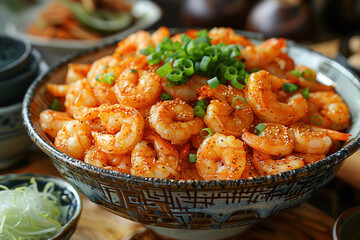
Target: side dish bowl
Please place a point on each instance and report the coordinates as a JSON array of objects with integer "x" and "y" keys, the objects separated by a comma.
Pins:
[
  {"x": 70, "y": 201},
  {"x": 169, "y": 205}
]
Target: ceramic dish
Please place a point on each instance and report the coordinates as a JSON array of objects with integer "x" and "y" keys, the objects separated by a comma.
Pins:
[
  {"x": 12, "y": 90},
  {"x": 177, "y": 207},
  {"x": 70, "y": 202},
  {"x": 346, "y": 226},
  {"x": 147, "y": 13},
  {"x": 14, "y": 55}
]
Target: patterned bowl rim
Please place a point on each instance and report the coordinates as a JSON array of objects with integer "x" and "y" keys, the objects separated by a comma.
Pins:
[
  {"x": 60, "y": 182},
  {"x": 42, "y": 143}
]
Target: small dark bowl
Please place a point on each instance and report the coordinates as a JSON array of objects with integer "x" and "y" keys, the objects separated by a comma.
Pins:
[
  {"x": 14, "y": 56},
  {"x": 347, "y": 225},
  {"x": 70, "y": 201},
  {"x": 344, "y": 52},
  {"x": 13, "y": 89},
  {"x": 177, "y": 207}
]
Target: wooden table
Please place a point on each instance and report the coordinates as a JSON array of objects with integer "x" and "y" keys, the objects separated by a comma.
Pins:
[{"x": 304, "y": 222}]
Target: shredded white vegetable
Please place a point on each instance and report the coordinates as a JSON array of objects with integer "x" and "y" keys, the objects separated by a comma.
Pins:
[{"x": 27, "y": 214}]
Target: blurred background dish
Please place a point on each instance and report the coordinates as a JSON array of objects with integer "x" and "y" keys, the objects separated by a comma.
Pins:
[
  {"x": 145, "y": 14},
  {"x": 349, "y": 52},
  {"x": 346, "y": 227},
  {"x": 14, "y": 56}
]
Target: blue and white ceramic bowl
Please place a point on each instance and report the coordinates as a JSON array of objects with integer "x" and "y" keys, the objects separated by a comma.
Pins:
[
  {"x": 70, "y": 201},
  {"x": 215, "y": 209}
]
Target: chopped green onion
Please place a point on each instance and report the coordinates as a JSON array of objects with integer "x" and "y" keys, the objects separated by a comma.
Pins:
[
  {"x": 202, "y": 103},
  {"x": 188, "y": 67},
  {"x": 305, "y": 93},
  {"x": 153, "y": 58},
  {"x": 108, "y": 78},
  {"x": 213, "y": 83},
  {"x": 165, "y": 96},
  {"x": 199, "y": 111},
  {"x": 311, "y": 76},
  {"x": 164, "y": 70},
  {"x": 296, "y": 73},
  {"x": 175, "y": 75},
  {"x": 148, "y": 50},
  {"x": 235, "y": 99},
  {"x": 259, "y": 128},
  {"x": 230, "y": 73},
  {"x": 169, "y": 83},
  {"x": 315, "y": 120},
  {"x": 133, "y": 70},
  {"x": 56, "y": 105},
  {"x": 234, "y": 82},
  {"x": 97, "y": 78},
  {"x": 289, "y": 87},
  {"x": 206, "y": 132},
  {"x": 205, "y": 63},
  {"x": 192, "y": 157},
  {"x": 105, "y": 67}
]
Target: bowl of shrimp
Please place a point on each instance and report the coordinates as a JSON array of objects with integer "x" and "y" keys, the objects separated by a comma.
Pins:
[{"x": 206, "y": 130}]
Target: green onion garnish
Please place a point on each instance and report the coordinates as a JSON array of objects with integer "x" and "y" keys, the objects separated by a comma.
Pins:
[
  {"x": 305, "y": 93},
  {"x": 206, "y": 132},
  {"x": 230, "y": 73},
  {"x": 235, "y": 99},
  {"x": 106, "y": 67},
  {"x": 133, "y": 70},
  {"x": 169, "y": 83},
  {"x": 148, "y": 50},
  {"x": 199, "y": 111},
  {"x": 213, "y": 83},
  {"x": 192, "y": 157},
  {"x": 315, "y": 120},
  {"x": 175, "y": 75},
  {"x": 108, "y": 78},
  {"x": 153, "y": 58},
  {"x": 165, "y": 96},
  {"x": 56, "y": 105},
  {"x": 188, "y": 67},
  {"x": 205, "y": 63},
  {"x": 296, "y": 73},
  {"x": 164, "y": 70},
  {"x": 202, "y": 103},
  {"x": 308, "y": 78},
  {"x": 259, "y": 128},
  {"x": 234, "y": 82},
  {"x": 289, "y": 87}
]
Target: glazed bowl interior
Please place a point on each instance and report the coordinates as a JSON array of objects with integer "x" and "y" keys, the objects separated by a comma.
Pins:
[
  {"x": 194, "y": 204},
  {"x": 69, "y": 200}
]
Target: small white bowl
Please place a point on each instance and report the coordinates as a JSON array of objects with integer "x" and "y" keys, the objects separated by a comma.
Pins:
[{"x": 13, "y": 138}]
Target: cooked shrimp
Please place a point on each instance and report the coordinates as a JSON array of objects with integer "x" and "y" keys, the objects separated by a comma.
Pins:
[
  {"x": 266, "y": 165},
  {"x": 188, "y": 91},
  {"x": 249, "y": 170},
  {"x": 315, "y": 140},
  {"x": 100, "y": 65},
  {"x": 124, "y": 128},
  {"x": 333, "y": 110},
  {"x": 161, "y": 161},
  {"x": 310, "y": 158},
  {"x": 133, "y": 43},
  {"x": 74, "y": 139},
  {"x": 196, "y": 140},
  {"x": 221, "y": 116},
  {"x": 307, "y": 79},
  {"x": 263, "y": 100},
  {"x": 159, "y": 35},
  {"x": 57, "y": 90},
  {"x": 138, "y": 89},
  {"x": 79, "y": 94},
  {"x": 76, "y": 71},
  {"x": 263, "y": 54},
  {"x": 118, "y": 162},
  {"x": 221, "y": 157},
  {"x": 52, "y": 121},
  {"x": 174, "y": 120},
  {"x": 227, "y": 36},
  {"x": 281, "y": 65},
  {"x": 275, "y": 139}
]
